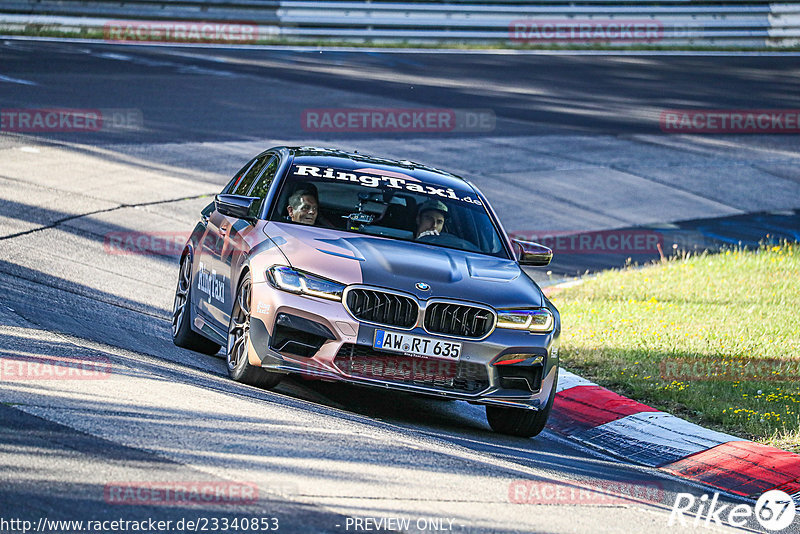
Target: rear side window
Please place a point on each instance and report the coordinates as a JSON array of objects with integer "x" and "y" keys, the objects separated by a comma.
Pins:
[
  {"x": 237, "y": 178},
  {"x": 243, "y": 187},
  {"x": 261, "y": 188}
]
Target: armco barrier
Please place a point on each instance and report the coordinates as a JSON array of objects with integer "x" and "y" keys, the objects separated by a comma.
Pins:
[{"x": 522, "y": 22}]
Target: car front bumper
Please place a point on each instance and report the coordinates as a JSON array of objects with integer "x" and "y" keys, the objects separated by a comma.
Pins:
[{"x": 318, "y": 339}]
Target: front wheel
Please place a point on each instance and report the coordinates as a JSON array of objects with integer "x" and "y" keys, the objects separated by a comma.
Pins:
[
  {"x": 239, "y": 367},
  {"x": 519, "y": 421}
]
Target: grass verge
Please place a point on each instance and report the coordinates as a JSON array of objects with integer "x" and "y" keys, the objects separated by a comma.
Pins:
[{"x": 714, "y": 339}]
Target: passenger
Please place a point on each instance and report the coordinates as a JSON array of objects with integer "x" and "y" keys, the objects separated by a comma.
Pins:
[
  {"x": 430, "y": 218},
  {"x": 303, "y": 206}
]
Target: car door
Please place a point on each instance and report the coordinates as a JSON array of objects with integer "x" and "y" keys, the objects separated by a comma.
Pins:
[
  {"x": 202, "y": 275},
  {"x": 222, "y": 246},
  {"x": 207, "y": 293},
  {"x": 235, "y": 245}
]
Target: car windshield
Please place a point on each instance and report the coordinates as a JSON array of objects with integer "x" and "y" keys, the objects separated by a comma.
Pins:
[{"x": 387, "y": 204}]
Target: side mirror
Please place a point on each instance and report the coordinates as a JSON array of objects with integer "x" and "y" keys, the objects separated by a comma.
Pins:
[
  {"x": 236, "y": 206},
  {"x": 534, "y": 254}
]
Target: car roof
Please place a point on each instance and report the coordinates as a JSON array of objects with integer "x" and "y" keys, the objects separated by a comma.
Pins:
[{"x": 331, "y": 157}]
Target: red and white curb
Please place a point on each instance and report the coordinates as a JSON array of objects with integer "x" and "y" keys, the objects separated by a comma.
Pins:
[{"x": 602, "y": 419}]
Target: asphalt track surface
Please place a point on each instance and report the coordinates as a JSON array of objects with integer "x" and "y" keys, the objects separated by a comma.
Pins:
[{"x": 575, "y": 146}]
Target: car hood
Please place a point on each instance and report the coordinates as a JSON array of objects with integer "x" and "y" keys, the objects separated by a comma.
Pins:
[{"x": 355, "y": 258}]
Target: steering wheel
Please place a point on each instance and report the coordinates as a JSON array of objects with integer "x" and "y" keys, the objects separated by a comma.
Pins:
[{"x": 449, "y": 240}]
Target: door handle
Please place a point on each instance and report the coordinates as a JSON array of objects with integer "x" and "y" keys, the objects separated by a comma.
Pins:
[{"x": 223, "y": 230}]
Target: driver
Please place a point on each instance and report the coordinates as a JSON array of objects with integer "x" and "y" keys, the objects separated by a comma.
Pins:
[
  {"x": 430, "y": 218},
  {"x": 303, "y": 207}
]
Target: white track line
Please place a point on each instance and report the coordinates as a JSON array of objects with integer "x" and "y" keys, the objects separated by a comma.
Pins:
[{"x": 16, "y": 80}]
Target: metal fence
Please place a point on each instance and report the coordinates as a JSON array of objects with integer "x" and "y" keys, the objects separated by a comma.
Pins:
[{"x": 727, "y": 23}]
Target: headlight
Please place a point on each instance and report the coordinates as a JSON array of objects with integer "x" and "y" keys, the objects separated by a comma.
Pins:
[
  {"x": 302, "y": 283},
  {"x": 534, "y": 320}
]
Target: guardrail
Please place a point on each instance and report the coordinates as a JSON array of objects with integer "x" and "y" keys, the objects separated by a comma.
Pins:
[{"x": 730, "y": 23}]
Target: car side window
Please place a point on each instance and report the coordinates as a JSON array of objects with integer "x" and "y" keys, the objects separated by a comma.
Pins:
[
  {"x": 244, "y": 185},
  {"x": 261, "y": 188},
  {"x": 237, "y": 178},
  {"x": 262, "y": 185}
]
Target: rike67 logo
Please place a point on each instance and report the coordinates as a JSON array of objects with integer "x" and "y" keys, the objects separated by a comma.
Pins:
[{"x": 774, "y": 511}]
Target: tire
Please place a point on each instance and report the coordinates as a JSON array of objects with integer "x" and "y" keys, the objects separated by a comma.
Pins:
[
  {"x": 239, "y": 368},
  {"x": 182, "y": 333},
  {"x": 519, "y": 421}
]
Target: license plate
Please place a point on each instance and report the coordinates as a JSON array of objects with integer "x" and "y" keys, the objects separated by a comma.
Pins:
[{"x": 417, "y": 345}]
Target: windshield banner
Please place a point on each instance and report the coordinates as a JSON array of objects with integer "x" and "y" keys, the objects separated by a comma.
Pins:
[{"x": 395, "y": 181}]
